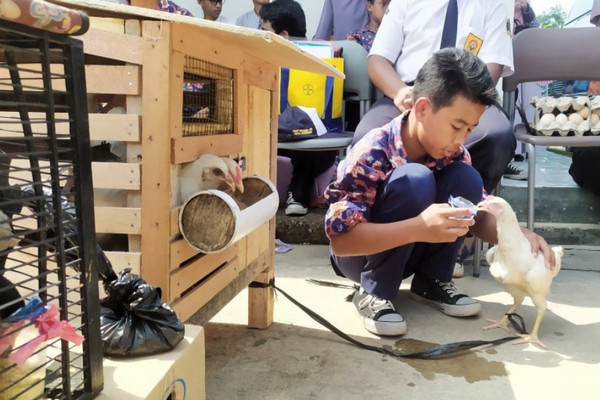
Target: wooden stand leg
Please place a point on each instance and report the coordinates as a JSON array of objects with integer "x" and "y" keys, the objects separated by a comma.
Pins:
[{"x": 260, "y": 299}]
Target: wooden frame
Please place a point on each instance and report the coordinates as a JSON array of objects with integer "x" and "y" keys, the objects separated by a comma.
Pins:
[{"x": 146, "y": 76}]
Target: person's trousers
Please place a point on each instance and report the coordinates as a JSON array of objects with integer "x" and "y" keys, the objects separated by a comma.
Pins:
[
  {"x": 491, "y": 144},
  {"x": 409, "y": 190},
  {"x": 307, "y": 166}
]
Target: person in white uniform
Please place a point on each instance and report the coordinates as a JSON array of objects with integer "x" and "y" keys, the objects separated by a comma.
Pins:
[
  {"x": 251, "y": 19},
  {"x": 411, "y": 31}
]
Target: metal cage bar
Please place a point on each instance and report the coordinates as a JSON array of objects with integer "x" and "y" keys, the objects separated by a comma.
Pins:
[{"x": 52, "y": 252}]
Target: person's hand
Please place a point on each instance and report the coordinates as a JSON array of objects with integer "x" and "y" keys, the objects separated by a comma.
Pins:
[
  {"x": 403, "y": 99},
  {"x": 538, "y": 243},
  {"x": 521, "y": 3},
  {"x": 443, "y": 223}
]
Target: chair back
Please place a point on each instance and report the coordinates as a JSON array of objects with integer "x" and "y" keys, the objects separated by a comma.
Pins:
[
  {"x": 567, "y": 53},
  {"x": 357, "y": 82}
]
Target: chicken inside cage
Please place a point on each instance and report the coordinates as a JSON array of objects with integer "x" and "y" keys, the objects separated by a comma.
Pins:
[{"x": 207, "y": 98}]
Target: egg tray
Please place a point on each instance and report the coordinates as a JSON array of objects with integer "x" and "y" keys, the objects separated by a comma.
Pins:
[{"x": 566, "y": 115}]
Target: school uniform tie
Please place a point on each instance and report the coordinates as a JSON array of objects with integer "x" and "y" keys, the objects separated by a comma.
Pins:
[{"x": 450, "y": 23}]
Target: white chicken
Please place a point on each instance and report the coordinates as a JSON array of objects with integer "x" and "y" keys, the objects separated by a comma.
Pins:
[
  {"x": 513, "y": 264},
  {"x": 209, "y": 172}
]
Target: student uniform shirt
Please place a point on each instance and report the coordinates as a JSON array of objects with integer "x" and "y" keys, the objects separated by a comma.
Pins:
[
  {"x": 249, "y": 20},
  {"x": 342, "y": 18},
  {"x": 411, "y": 31},
  {"x": 365, "y": 169}
]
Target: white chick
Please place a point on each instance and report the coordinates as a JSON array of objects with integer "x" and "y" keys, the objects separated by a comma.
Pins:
[
  {"x": 207, "y": 172},
  {"x": 513, "y": 264}
]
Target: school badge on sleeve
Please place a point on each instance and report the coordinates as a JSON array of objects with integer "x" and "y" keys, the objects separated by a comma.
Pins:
[{"x": 473, "y": 44}]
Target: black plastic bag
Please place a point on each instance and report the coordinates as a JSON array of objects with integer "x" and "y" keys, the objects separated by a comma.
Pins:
[{"x": 134, "y": 321}]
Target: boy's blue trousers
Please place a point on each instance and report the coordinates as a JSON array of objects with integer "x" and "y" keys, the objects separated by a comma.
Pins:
[{"x": 409, "y": 190}]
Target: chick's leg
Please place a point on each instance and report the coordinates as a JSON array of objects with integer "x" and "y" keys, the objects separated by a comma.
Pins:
[
  {"x": 540, "y": 305},
  {"x": 503, "y": 322}
]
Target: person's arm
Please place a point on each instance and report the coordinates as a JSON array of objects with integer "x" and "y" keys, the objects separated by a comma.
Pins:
[
  {"x": 497, "y": 43},
  {"x": 385, "y": 78},
  {"x": 529, "y": 17},
  {"x": 437, "y": 224},
  {"x": 325, "y": 27},
  {"x": 495, "y": 71}
]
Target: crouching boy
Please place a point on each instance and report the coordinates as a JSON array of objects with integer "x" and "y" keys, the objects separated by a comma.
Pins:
[{"x": 389, "y": 217}]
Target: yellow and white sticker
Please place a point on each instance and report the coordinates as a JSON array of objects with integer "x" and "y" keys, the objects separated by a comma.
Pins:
[{"x": 473, "y": 44}]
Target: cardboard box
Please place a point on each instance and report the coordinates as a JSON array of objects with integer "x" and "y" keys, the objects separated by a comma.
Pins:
[{"x": 175, "y": 375}]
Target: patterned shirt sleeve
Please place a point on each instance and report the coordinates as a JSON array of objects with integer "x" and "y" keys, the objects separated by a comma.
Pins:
[
  {"x": 173, "y": 8},
  {"x": 365, "y": 169},
  {"x": 364, "y": 37}
]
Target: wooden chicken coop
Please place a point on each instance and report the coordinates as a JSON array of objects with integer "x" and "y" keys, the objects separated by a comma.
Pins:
[{"x": 162, "y": 90}]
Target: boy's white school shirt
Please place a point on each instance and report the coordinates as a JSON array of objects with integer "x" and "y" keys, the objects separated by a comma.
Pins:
[{"x": 411, "y": 31}]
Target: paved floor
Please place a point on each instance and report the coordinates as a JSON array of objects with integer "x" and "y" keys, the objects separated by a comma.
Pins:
[{"x": 296, "y": 358}]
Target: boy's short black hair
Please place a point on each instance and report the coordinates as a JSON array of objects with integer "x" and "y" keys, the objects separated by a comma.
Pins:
[
  {"x": 285, "y": 15},
  {"x": 451, "y": 72}
]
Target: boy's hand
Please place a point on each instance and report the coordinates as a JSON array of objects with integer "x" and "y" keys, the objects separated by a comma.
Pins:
[
  {"x": 443, "y": 223},
  {"x": 403, "y": 99},
  {"x": 539, "y": 243}
]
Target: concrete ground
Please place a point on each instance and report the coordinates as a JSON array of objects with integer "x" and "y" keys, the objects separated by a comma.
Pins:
[{"x": 296, "y": 358}]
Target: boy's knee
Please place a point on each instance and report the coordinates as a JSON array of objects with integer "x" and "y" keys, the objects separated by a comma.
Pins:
[{"x": 408, "y": 190}]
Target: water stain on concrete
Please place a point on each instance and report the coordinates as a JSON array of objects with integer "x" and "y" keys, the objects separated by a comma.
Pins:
[{"x": 468, "y": 365}]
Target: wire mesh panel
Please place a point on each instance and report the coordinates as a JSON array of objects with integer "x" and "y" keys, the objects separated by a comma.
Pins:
[
  {"x": 207, "y": 98},
  {"x": 49, "y": 350}
]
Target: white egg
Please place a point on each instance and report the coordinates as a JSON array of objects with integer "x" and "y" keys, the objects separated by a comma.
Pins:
[
  {"x": 545, "y": 120},
  {"x": 561, "y": 119}
]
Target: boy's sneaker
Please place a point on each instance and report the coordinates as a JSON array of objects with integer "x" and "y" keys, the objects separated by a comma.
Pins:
[
  {"x": 512, "y": 172},
  {"x": 444, "y": 296},
  {"x": 379, "y": 315},
  {"x": 292, "y": 207}
]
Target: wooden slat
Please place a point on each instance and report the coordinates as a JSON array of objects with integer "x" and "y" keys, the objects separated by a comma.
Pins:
[
  {"x": 115, "y": 79},
  {"x": 116, "y": 25},
  {"x": 103, "y": 43},
  {"x": 115, "y": 127},
  {"x": 189, "y": 148},
  {"x": 187, "y": 306},
  {"x": 261, "y": 74},
  {"x": 193, "y": 42},
  {"x": 257, "y": 138},
  {"x": 175, "y": 221},
  {"x": 156, "y": 156},
  {"x": 176, "y": 103},
  {"x": 205, "y": 291},
  {"x": 124, "y": 259},
  {"x": 120, "y": 127},
  {"x": 116, "y": 175},
  {"x": 118, "y": 220},
  {"x": 180, "y": 252},
  {"x": 185, "y": 277}
]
